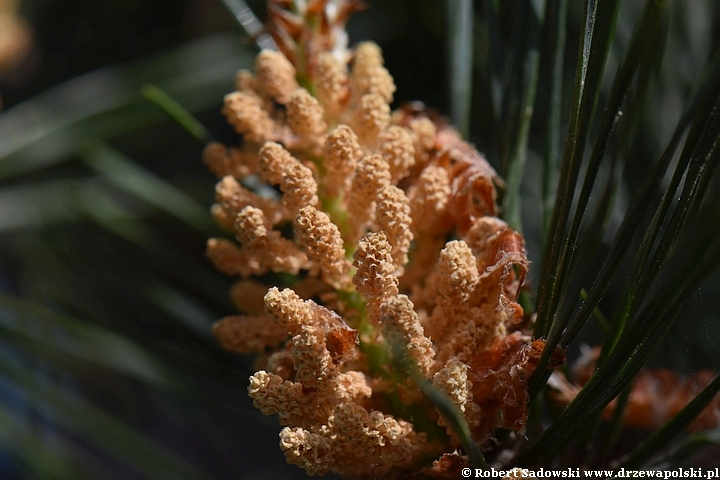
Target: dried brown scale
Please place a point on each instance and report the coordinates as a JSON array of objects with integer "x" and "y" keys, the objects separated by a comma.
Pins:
[
  {"x": 500, "y": 255},
  {"x": 448, "y": 466},
  {"x": 499, "y": 377},
  {"x": 473, "y": 181},
  {"x": 341, "y": 339}
]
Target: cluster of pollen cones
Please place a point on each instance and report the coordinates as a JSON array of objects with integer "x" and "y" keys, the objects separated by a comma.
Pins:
[
  {"x": 386, "y": 224},
  {"x": 357, "y": 229}
]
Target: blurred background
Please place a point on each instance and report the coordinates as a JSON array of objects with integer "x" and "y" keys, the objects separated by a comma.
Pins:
[{"x": 107, "y": 365}]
